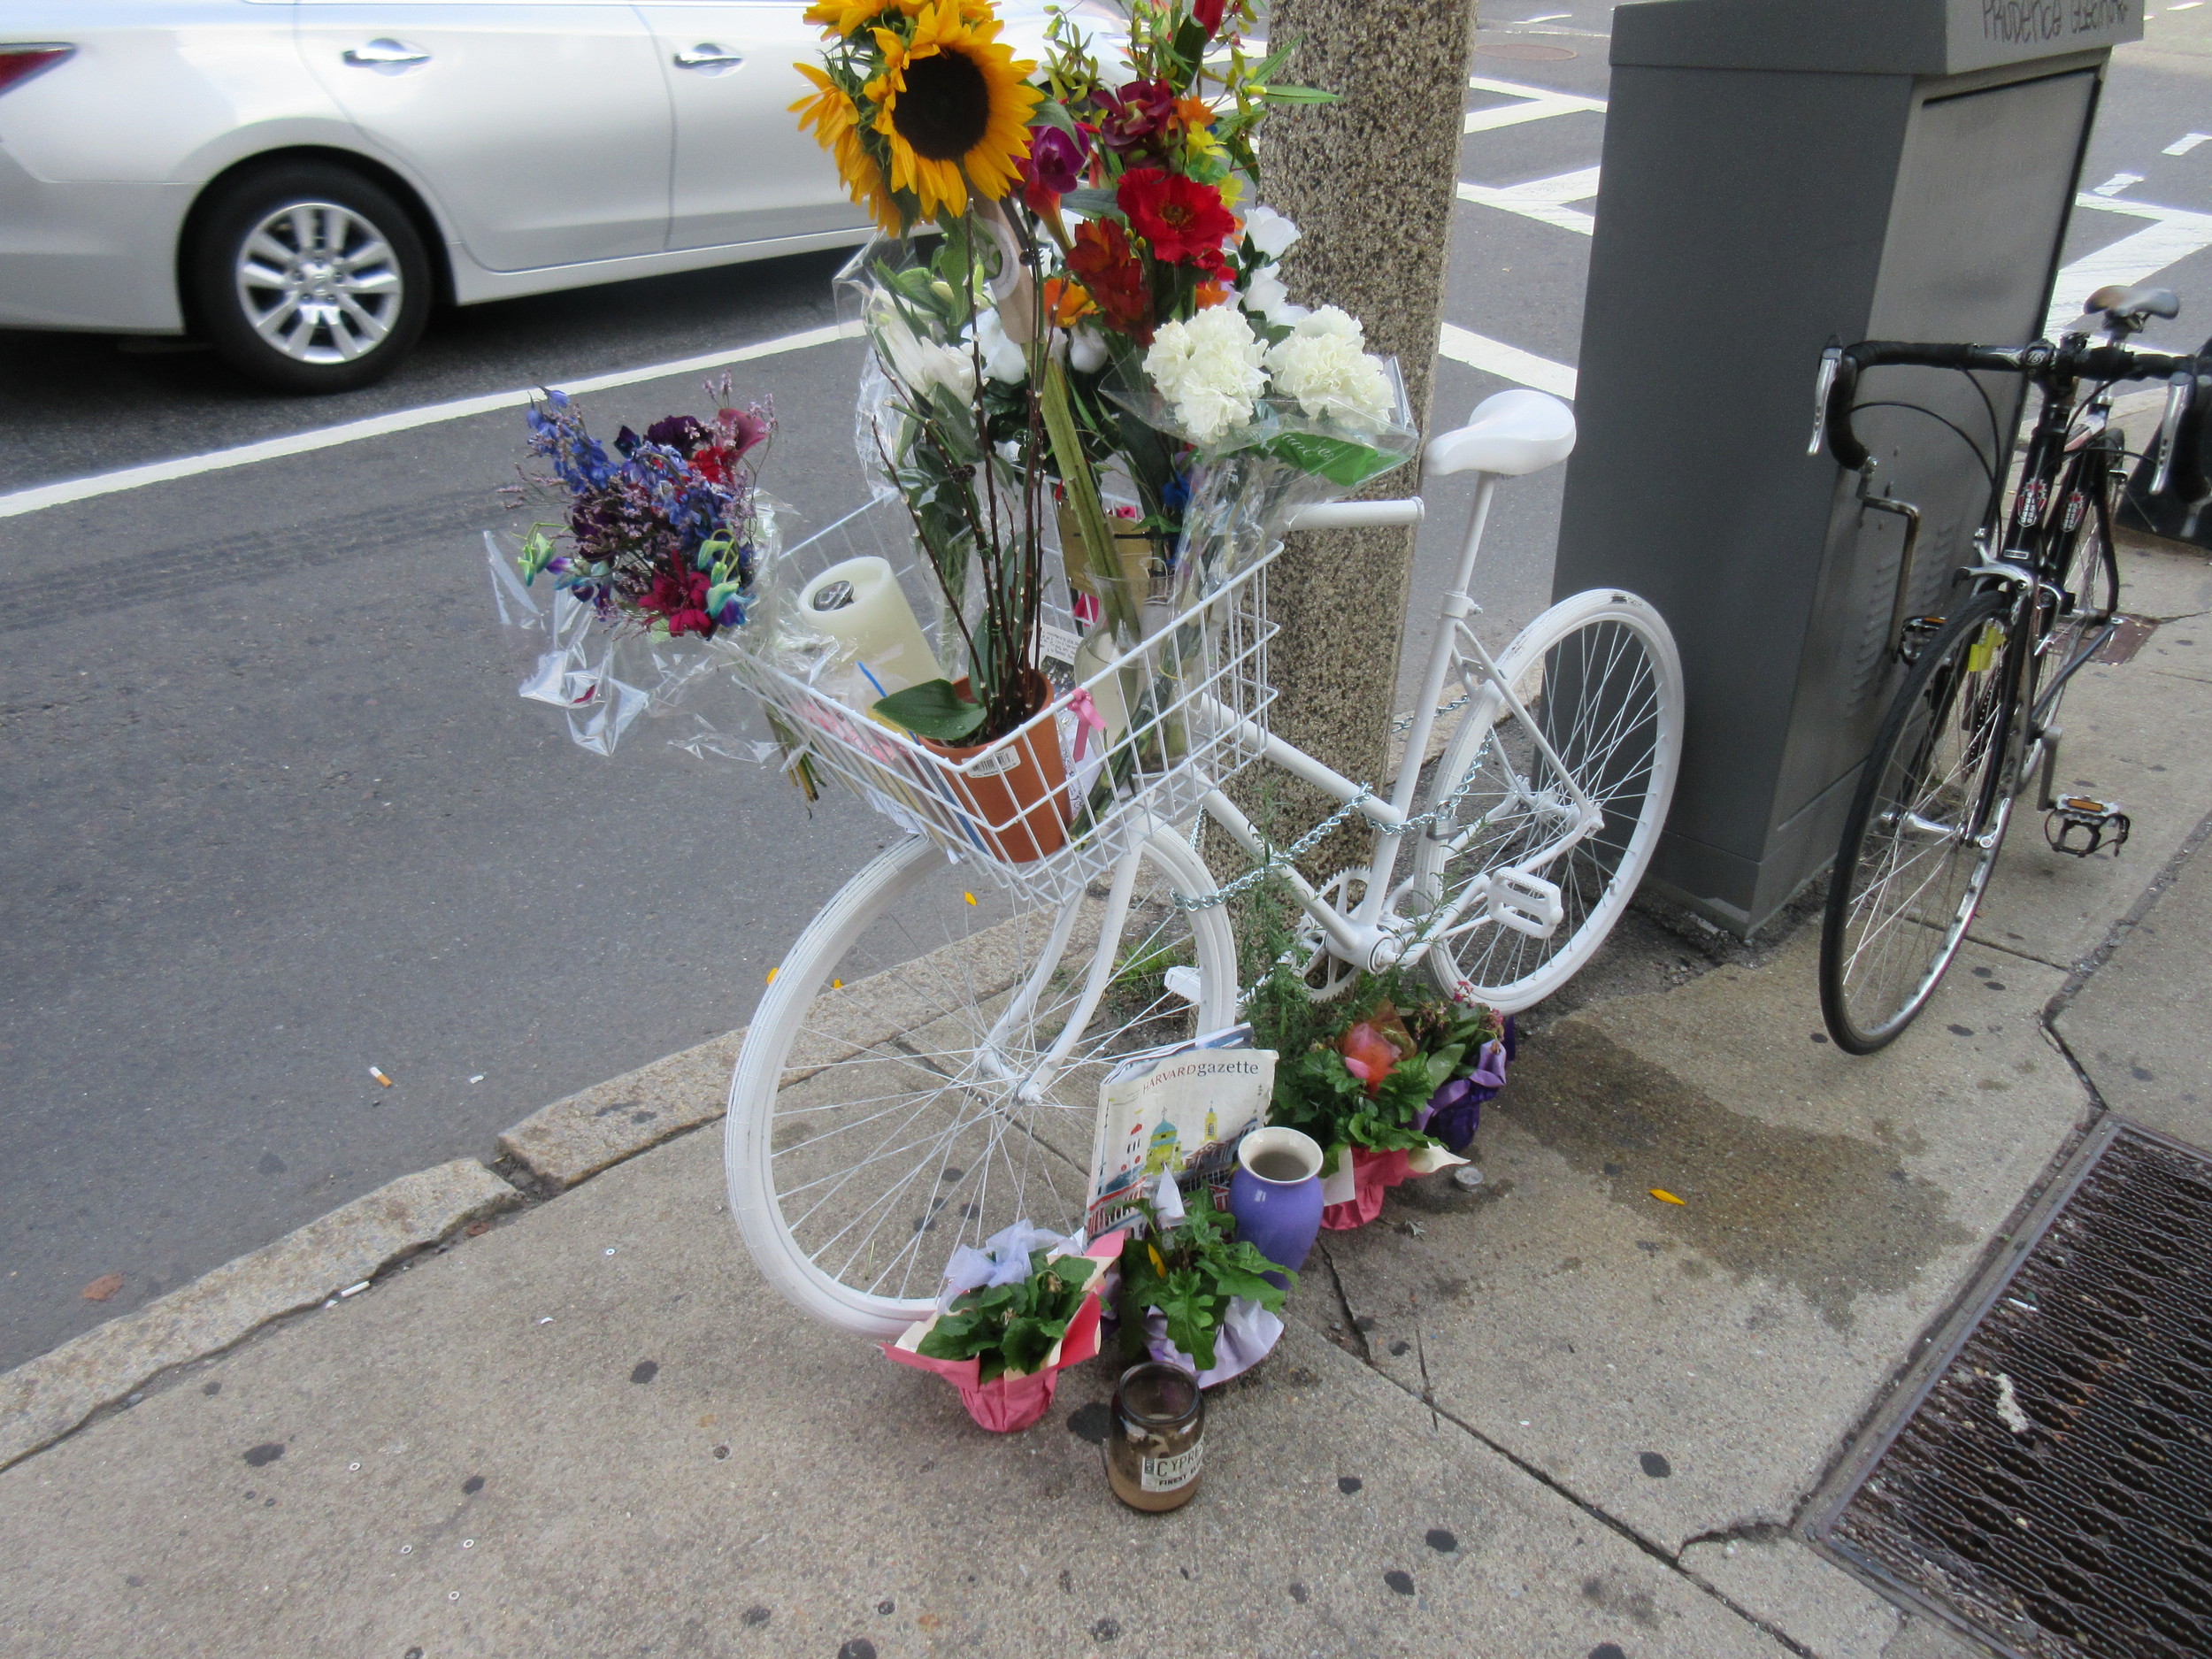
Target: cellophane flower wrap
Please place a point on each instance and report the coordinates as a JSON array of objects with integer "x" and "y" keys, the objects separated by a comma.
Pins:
[{"x": 655, "y": 553}]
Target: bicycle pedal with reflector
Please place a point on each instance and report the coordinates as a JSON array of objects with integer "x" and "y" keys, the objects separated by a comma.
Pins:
[
  {"x": 1524, "y": 903},
  {"x": 2081, "y": 824}
]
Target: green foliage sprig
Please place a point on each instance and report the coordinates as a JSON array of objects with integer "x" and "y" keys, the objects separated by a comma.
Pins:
[
  {"x": 1010, "y": 1328},
  {"x": 1189, "y": 1273}
]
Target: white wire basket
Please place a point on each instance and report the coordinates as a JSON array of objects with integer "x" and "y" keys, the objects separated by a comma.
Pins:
[{"x": 1135, "y": 741}]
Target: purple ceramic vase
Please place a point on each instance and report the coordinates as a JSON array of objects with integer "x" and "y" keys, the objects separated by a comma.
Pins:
[{"x": 1279, "y": 1212}]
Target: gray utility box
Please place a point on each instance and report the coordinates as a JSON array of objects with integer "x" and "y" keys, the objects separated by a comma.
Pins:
[{"x": 1778, "y": 173}]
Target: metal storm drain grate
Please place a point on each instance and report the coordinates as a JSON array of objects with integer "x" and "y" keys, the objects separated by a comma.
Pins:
[{"x": 2053, "y": 1488}]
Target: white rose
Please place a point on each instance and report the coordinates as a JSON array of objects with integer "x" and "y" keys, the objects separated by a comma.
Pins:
[
  {"x": 1003, "y": 359},
  {"x": 1086, "y": 349},
  {"x": 1271, "y": 233},
  {"x": 1210, "y": 369},
  {"x": 1266, "y": 294},
  {"x": 1322, "y": 368}
]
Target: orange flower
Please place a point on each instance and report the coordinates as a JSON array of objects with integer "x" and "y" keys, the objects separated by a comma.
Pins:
[
  {"x": 1065, "y": 303},
  {"x": 1210, "y": 294},
  {"x": 1196, "y": 113}
]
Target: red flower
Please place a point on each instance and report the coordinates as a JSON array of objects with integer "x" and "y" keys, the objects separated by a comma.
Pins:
[
  {"x": 1134, "y": 118},
  {"x": 1184, "y": 221},
  {"x": 1109, "y": 269},
  {"x": 682, "y": 599},
  {"x": 1207, "y": 14}
]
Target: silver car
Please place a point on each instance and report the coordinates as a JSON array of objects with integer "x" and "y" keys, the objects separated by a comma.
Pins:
[{"x": 297, "y": 180}]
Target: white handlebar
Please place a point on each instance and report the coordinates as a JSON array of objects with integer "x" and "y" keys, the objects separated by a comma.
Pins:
[{"x": 1353, "y": 515}]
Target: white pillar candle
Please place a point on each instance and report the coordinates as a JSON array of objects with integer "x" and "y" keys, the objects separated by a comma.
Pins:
[{"x": 858, "y": 604}]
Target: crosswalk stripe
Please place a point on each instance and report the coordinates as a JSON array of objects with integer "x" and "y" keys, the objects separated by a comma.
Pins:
[
  {"x": 1507, "y": 363},
  {"x": 1537, "y": 104},
  {"x": 1543, "y": 200},
  {"x": 2174, "y": 234}
]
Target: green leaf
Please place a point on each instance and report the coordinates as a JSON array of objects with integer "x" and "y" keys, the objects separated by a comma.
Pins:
[
  {"x": 932, "y": 709},
  {"x": 1300, "y": 95},
  {"x": 1052, "y": 112},
  {"x": 1093, "y": 204}
]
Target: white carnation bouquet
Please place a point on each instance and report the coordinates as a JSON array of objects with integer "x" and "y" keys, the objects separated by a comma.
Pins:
[{"x": 1283, "y": 407}]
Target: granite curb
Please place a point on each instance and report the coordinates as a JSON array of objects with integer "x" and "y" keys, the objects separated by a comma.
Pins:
[
  {"x": 47, "y": 1398},
  {"x": 593, "y": 1129}
]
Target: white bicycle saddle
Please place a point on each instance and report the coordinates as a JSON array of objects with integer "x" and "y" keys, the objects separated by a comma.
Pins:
[{"x": 1510, "y": 434}]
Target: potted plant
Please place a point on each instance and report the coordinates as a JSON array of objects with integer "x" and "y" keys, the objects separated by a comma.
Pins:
[
  {"x": 1003, "y": 1341},
  {"x": 1389, "y": 1078},
  {"x": 1193, "y": 1294}
]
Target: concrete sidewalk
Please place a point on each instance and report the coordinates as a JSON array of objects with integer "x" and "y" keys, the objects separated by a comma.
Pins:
[{"x": 1554, "y": 1417}]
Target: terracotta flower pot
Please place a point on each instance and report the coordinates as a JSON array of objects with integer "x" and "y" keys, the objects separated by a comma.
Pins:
[{"x": 1018, "y": 803}]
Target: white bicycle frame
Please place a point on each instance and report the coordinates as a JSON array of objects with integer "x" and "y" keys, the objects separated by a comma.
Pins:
[{"x": 1372, "y": 935}]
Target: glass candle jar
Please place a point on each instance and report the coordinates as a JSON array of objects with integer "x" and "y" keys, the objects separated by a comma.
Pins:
[{"x": 1159, "y": 1443}]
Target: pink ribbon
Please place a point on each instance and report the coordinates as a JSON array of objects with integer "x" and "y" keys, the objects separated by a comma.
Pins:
[{"x": 1087, "y": 719}]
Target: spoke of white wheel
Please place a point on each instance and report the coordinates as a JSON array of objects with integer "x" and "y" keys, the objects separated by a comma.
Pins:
[
  {"x": 371, "y": 252},
  {"x": 271, "y": 323}
]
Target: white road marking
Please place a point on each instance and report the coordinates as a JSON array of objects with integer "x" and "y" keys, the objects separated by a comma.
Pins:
[
  {"x": 43, "y": 496},
  {"x": 2174, "y": 234},
  {"x": 2188, "y": 142},
  {"x": 1548, "y": 17},
  {"x": 1507, "y": 363},
  {"x": 1538, "y": 104},
  {"x": 2116, "y": 183},
  {"x": 1543, "y": 200}
]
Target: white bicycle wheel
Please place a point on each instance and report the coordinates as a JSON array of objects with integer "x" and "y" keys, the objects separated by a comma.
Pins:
[
  {"x": 887, "y": 1105},
  {"x": 1601, "y": 680}
]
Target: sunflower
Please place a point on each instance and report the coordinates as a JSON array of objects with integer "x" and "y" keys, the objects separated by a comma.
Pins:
[
  {"x": 830, "y": 110},
  {"x": 951, "y": 104}
]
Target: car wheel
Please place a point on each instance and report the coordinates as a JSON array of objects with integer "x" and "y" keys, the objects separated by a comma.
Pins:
[{"x": 308, "y": 278}]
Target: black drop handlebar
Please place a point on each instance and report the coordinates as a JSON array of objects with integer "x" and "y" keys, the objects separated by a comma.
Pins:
[{"x": 2071, "y": 359}]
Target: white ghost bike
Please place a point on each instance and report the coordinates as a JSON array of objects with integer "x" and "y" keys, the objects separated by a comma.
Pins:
[{"x": 924, "y": 1066}]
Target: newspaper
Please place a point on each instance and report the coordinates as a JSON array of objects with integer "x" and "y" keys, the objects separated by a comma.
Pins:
[{"x": 1181, "y": 1108}]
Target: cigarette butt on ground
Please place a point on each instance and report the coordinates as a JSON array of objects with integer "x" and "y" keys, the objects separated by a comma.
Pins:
[
  {"x": 1666, "y": 1197},
  {"x": 380, "y": 1077}
]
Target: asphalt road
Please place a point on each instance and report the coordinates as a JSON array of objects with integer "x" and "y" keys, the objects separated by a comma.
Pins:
[{"x": 274, "y": 814}]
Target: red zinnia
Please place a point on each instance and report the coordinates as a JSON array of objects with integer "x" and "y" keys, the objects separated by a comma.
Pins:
[{"x": 1184, "y": 221}]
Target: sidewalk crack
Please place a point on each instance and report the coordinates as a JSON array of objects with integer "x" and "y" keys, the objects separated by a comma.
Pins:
[
  {"x": 2170, "y": 874},
  {"x": 1671, "y": 1559},
  {"x": 1358, "y": 1338}
]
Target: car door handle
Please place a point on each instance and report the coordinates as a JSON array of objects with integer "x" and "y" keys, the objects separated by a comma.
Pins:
[
  {"x": 708, "y": 58},
  {"x": 384, "y": 54}
]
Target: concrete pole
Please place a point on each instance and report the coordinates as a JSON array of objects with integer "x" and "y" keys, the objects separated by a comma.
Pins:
[{"x": 1372, "y": 181}]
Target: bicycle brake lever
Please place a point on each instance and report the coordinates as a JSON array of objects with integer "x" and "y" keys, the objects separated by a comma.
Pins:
[
  {"x": 2178, "y": 388},
  {"x": 1824, "y": 383}
]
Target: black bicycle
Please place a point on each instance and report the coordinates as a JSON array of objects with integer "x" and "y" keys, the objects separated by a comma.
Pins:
[{"x": 1975, "y": 718}]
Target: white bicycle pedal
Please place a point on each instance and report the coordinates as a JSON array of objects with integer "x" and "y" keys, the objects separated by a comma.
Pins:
[
  {"x": 1182, "y": 981},
  {"x": 1524, "y": 903}
]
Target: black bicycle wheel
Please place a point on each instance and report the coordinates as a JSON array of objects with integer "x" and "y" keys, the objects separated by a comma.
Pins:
[{"x": 1919, "y": 844}]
